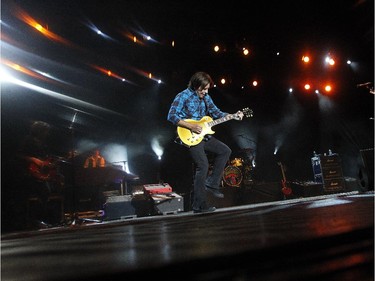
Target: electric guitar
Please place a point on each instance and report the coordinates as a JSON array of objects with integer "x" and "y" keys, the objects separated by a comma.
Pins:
[
  {"x": 190, "y": 138},
  {"x": 286, "y": 190},
  {"x": 45, "y": 170}
]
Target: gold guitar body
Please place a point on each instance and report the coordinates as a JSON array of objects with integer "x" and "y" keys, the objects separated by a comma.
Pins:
[{"x": 190, "y": 138}]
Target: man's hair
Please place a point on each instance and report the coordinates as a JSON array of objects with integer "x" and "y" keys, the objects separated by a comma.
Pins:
[
  {"x": 200, "y": 79},
  {"x": 39, "y": 128}
]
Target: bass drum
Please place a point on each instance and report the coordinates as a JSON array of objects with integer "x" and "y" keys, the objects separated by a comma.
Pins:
[{"x": 232, "y": 176}]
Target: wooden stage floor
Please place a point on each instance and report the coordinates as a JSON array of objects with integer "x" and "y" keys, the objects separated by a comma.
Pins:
[{"x": 328, "y": 237}]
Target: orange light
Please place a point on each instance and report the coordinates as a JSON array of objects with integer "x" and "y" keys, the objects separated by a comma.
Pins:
[
  {"x": 222, "y": 81},
  {"x": 306, "y": 59},
  {"x": 216, "y": 48},
  {"x": 307, "y": 86},
  {"x": 26, "y": 18},
  {"x": 328, "y": 88},
  {"x": 255, "y": 83}
]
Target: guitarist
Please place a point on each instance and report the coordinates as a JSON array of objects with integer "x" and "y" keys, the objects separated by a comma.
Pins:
[
  {"x": 194, "y": 103},
  {"x": 40, "y": 175}
]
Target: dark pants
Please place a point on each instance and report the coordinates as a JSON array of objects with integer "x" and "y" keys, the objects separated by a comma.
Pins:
[{"x": 198, "y": 152}]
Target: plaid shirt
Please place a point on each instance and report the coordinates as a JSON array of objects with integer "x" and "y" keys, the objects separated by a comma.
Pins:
[{"x": 188, "y": 105}]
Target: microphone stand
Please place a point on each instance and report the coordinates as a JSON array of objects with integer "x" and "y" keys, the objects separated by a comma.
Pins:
[{"x": 74, "y": 212}]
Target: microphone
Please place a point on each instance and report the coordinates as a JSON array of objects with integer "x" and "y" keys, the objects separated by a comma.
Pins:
[{"x": 363, "y": 84}]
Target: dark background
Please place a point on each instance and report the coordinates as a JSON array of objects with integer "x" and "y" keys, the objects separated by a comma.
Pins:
[{"x": 131, "y": 113}]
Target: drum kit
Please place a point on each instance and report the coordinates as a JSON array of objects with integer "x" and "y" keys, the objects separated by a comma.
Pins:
[{"x": 239, "y": 170}]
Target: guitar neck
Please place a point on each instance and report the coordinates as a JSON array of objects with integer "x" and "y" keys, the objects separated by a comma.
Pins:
[{"x": 221, "y": 120}]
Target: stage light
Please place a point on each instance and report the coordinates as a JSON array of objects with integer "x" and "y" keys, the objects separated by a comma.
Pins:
[
  {"x": 157, "y": 148},
  {"x": 348, "y": 62},
  {"x": 290, "y": 90},
  {"x": 328, "y": 88},
  {"x": 307, "y": 86},
  {"x": 173, "y": 43},
  {"x": 222, "y": 81},
  {"x": 305, "y": 59},
  {"x": 216, "y": 48},
  {"x": 245, "y": 51},
  {"x": 329, "y": 60},
  {"x": 255, "y": 83}
]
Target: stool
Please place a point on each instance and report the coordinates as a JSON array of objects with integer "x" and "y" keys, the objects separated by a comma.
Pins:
[{"x": 34, "y": 209}]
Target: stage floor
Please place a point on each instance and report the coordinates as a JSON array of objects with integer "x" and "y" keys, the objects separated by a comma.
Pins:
[{"x": 328, "y": 237}]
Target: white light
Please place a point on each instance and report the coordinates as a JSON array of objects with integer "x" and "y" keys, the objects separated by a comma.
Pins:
[
  {"x": 348, "y": 61},
  {"x": 159, "y": 81},
  {"x": 5, "y": 76},
  {"x": 156, "y": 147},
  {"x": 290, "y": 90}
]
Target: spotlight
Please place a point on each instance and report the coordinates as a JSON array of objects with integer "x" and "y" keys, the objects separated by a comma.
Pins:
[
  {"x": 305, "y": 59},
  {"x": 328, "y": 88}
]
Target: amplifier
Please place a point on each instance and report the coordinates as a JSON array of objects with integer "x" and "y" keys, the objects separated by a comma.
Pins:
[
  {"x": 157, "y": 188},
  {"x": 330, "y": 160},
  {"x": 126, "y": 206},
  {"x": 332, "y": 172},
  {"x": 334, "y": 185},
  {"x": 327, "y": 170},
  {"x": 169, "y": 203},
  {"x": 307, "y": 189}
]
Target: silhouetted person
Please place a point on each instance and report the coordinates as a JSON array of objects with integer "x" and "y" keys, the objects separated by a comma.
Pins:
[{"x": 41, "y": 176}]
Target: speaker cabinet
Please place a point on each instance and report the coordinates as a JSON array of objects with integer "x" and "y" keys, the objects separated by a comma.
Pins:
[
  {"x": 366, "y": 174},
  {"x": 328, "y": 171},
  {"x": 126, "y": 206}
]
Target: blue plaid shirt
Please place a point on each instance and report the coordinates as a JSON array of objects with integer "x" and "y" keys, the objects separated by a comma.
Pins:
[{"x": 188, "y": 105}]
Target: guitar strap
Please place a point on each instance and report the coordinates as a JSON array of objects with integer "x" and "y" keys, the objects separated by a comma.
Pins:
[
  {"x": 206, "y": 137},
  {"x": 205, "y": 102}
]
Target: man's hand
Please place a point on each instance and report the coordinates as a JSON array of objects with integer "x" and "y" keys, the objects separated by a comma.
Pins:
[{"x": 238, "y": 115}]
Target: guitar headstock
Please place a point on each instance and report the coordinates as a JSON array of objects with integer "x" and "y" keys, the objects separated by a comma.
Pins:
[{"x": 247, "y": 112}]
